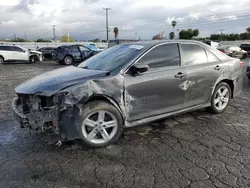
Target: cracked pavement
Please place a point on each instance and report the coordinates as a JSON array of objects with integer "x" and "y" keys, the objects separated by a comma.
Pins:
[{"x": 195, "y": 150}]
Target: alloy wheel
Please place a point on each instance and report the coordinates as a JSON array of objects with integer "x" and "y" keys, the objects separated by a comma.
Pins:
[
  {"x": 68, "y": 60},
  {"x": 221, "y": 98},
  {"x": 99, "y": 127}
]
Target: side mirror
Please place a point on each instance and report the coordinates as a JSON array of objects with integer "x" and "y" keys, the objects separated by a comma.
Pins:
[
  {"x": 23, "y": 51},
  {"x": 139, "y": 68}
]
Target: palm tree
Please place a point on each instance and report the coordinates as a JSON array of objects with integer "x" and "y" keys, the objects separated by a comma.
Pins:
[
  {"x": 174, "y": 23},
  {"x": 116, "y": 32}
]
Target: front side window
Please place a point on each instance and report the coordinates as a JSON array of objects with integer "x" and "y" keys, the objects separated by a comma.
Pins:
[
  {"x": 165, "y": 55},
  {"x": 193, "y": 54},
  {"x": 16, "y": 49}
]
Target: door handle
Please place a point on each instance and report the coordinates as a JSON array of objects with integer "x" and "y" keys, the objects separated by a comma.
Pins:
[
  {"x": 179, "y": 75},
  {"x": 217, "y": 67}
]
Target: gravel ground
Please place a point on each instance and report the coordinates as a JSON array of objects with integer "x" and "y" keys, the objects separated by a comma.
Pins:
[{"x": 196, "y": 149}]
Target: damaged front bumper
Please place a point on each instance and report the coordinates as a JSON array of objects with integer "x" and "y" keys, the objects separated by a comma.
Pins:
[
  {"x": 33, "y": 115},
  {"x": 47, "y": 114}
]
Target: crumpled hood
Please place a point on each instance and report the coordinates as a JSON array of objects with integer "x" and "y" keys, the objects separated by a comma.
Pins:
[
  {"x": 35, "y": 52},
  {"x": 53, "y": 81}
]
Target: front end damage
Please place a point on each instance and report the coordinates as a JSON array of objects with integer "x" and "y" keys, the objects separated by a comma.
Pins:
[
  {"x": 38, "y": 112},
  {"x": 35, "y": 56},
  {"x": 60, "y": 112}
]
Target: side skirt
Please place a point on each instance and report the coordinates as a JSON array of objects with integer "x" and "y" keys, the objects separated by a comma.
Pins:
[{"x": 162, "y": 116}]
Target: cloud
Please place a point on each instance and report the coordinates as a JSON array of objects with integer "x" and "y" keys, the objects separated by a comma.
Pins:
[{"x": 85, "y": 18}]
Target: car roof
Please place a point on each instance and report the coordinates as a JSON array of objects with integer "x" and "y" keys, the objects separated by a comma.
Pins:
[{"x": 156, "y": 42}]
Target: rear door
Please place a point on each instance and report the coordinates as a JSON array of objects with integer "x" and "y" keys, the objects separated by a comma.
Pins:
[
  {"x": 75, "y": 52},
  {"x": 85, "y": 52},
  {"x": 7, "y": 53},
  {"x": 203, "y": 70},
  {"x": 159, "y": 90}
]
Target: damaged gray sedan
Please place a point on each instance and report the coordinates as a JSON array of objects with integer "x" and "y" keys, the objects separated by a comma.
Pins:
[{"x": 127, "y": 85}]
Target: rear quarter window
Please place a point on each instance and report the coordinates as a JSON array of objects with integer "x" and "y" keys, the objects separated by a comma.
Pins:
[{"x": 193, "y": 54}]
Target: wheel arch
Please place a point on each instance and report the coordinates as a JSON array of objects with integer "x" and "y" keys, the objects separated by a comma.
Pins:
[
  {"x": 229, "y": 82},
  {"x": 69, "y": 56},
  {"x": 102, "y": 97},
  {"x": 1, "y": 56}
]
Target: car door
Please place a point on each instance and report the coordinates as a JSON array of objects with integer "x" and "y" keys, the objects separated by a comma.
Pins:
[
  {"x": 85, "y": 52},
  {"x": 75, "y": 52},
  {"x": 203, "y": 70},
  {"x": 20, "y": 54},
  {"x": 158, "y": 90},
  {"x": 7, "y": 53}
]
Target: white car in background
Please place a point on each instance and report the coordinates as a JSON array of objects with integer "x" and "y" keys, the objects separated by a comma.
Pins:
[
  {"x": 13, "y": 53},
  {"x": 213, "y": 44}
]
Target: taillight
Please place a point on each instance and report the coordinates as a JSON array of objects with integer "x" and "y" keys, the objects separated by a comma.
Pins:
[
  {"x": 241, "y": 63},
  {"x": 222, "y": 50}
]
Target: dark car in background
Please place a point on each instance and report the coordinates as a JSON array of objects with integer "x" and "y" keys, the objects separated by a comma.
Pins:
[
  {"x": 233, "y": 51},
  {"x": 128, "y": 85},
  {"x": 47, "y": 52},
  {"x": 71, "y": 54},
  {"x": 246, "y": 47}
]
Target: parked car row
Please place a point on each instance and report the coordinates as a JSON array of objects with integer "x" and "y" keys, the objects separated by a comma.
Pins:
[
  {"x": 66, "y": 55},
  {"x": 230, "y": 50}
]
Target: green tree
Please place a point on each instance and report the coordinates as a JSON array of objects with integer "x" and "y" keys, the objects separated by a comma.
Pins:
[
  {"x": 248, "y": 29},
  {"x": 42, "y": 40},
  {"x": 196, "y": 33},
  {"x": 171, "y": 35},
  {"x": 188, "y": 34},
  {"x": 67, "y": 38},
  {"x": 215, "y": 37},
  {"x": 18, "y": 40}
]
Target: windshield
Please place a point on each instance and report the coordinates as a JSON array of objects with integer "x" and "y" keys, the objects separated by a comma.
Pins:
[{"x": 112, "y": 58}]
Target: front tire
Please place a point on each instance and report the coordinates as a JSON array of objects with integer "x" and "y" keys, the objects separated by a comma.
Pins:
[
  {"x": 220, "y": 98},
  {"x": 101, "y": 124}
]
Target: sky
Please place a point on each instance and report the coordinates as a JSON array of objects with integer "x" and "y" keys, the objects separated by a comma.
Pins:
[{"x": 86, "y": 19}]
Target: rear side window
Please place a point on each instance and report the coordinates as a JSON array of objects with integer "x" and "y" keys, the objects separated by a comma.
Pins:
[
  {"x": 73, "y": 49},
  {"x": 6, "y": 48},
  {"x": 211, "y": 57},
  {"x": 161, "y": 56},
  {"x": 193, "y": 54}
]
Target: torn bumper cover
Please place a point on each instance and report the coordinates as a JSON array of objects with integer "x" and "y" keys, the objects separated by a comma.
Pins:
[
  {"x": 32, "y": 112},
  {"x": 46, "y": 114}
]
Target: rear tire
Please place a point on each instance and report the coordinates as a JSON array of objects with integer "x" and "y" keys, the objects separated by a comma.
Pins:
[
  {"x": 100, "y": 124},
  {"x": 1, "y": 60},
  {"x": 68, "y": 60},
  {"x": 220, "y": 98}
]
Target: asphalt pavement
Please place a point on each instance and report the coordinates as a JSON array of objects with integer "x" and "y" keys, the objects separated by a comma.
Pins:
[{"x": 196, "y": 149}]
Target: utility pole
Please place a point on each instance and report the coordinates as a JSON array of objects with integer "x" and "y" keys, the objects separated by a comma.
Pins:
[
  {"x": 25, "y": 35},
  {"x": 14, "y": 36},
  {"x": 107, "y": 23},
  {"x": 221, "y": 34},
  {"x": 54, "y": 32}
]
